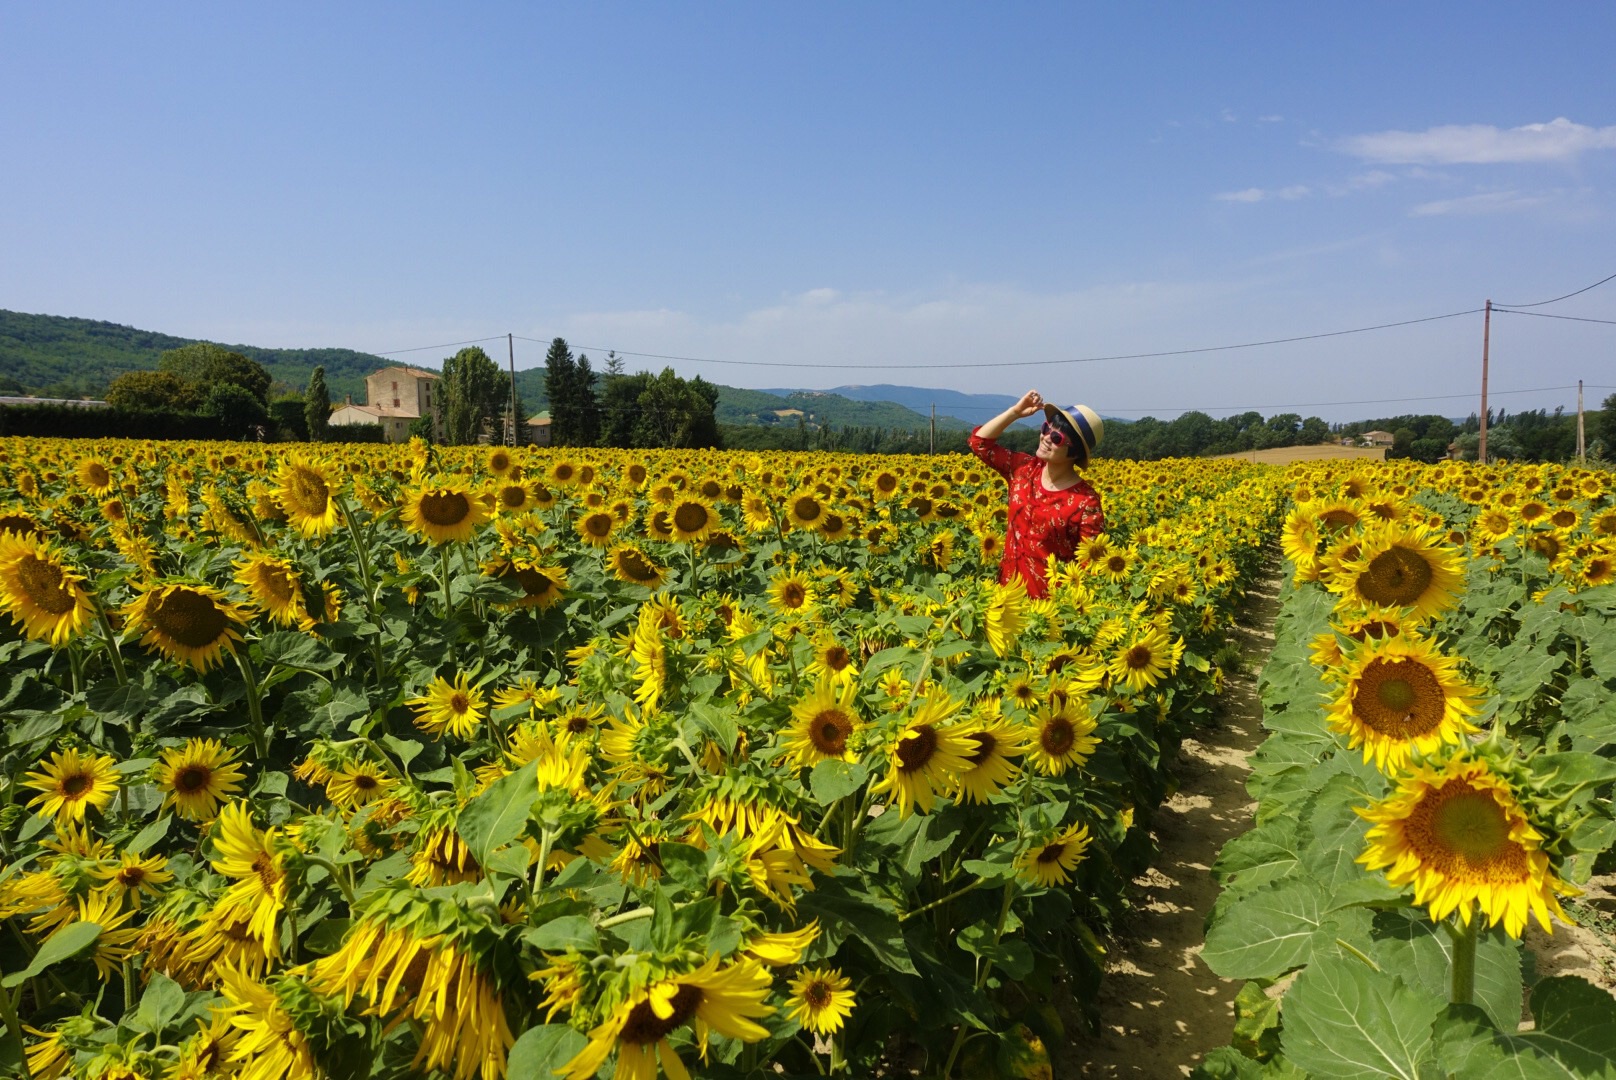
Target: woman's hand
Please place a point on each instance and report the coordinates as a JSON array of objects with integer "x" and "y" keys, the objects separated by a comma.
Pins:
[{"x": 1031, "y": 402}]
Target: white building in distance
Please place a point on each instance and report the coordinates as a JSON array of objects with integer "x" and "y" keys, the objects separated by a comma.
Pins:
[{"x": 395, "y": 398}]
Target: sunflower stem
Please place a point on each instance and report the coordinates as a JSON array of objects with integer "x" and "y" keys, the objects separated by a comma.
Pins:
[
  {"x": 365, "y": 578},
  {"x": 443, "y": 575},
  {"x": 337, "y": 876},
  {"x": 941, "y": 900},
  {"x": 627, "y": 916},
  {"x": 255, "y": 704},
  {"x": 75, "y": 663},
  {"x": 8, "y": 1013},
  {"x": 1464, "y": 934},
  {"x": 112, "y": 643},
  {"x": 546, "y": 838}
]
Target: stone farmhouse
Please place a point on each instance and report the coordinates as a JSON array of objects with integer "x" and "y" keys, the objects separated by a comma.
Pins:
[{"x": 395, "y": 398}]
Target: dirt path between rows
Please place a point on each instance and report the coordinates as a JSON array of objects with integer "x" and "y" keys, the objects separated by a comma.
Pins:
[{"x": 1161, "y": 1009}]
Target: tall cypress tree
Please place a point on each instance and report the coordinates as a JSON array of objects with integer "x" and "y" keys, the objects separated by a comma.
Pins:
[
  {"x": 317, "y": 406},
  {"x": 560, "y": 377}
]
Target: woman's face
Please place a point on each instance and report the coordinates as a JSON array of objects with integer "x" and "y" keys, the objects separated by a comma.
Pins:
[{"x": 1055, "y": 455}]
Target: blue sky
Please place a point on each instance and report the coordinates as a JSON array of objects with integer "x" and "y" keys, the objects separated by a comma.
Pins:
[{"x": 859, "y": 185}]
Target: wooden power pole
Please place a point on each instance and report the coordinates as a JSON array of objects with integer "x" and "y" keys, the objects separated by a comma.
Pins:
[
  {"x": 1582, "y": 446},
  {"x": 510, "y": 348},
  {"x": 934, "y": 427},
  {"x": 1486, "y": 335}
]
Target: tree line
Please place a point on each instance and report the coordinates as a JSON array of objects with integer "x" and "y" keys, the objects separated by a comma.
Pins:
[{"x": 613, "y": 408}]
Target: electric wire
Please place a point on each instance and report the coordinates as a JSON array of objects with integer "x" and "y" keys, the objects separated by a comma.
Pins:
[
  {"x": 447, "y": 345},
  {"x": 1557, "y": 299},
  {"x": 1546, "y": 315}
]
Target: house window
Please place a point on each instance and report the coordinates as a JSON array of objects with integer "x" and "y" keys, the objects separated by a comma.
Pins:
[{"x": 395, "y": 395}]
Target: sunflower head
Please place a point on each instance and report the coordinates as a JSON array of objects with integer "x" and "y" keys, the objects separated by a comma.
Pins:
[{"x": 189, "y": 623}]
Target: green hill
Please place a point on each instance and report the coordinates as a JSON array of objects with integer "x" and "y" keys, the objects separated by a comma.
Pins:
[{"x": 58, "y": 356}]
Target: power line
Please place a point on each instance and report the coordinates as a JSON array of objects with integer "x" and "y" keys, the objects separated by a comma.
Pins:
[
  {"x": 1302, "y": 404},
  {"x": 1557, "y": 299},
  {"x": 449, "y": 345},
  {"x": 1546, "y": 315},
  {"x": 1033, "y": 363}
]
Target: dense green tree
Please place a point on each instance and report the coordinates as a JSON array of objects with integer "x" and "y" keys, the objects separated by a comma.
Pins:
[
  {"x": 421, "y": 428},
  {"x": 560, "y": 379},
  {"x": 238, "y": 411},
  {"x": 676, "y": 413},
  {"x": 585, "y": 405},
  {"x": 317, "y": 406},
  {"x": 619, "y": 407},
  {"x": 286, "y": 416},
  {"x": 147, "y": 391},
  {"x": 205, "y": 366},
  {"x": 1604, "y": 427},
  {"x": 473, "y": 396}
]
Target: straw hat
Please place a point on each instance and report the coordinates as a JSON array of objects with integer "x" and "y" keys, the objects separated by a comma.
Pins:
[{"x": 1081, "y": 423}]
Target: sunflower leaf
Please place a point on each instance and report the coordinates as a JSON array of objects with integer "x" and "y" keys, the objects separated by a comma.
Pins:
[
  {"x": 834, "y": 779},
  {"x": 541, "y": 1052},
  {"x": 67, "y": 942},
  {"x": 500, "y": 814},
  {"x": 1347, "y": 1021},
  {"x": 1575, "y": 1036}
]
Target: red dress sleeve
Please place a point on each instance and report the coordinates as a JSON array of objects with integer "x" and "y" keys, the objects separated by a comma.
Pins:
[{"x": 1000, "y": 460}]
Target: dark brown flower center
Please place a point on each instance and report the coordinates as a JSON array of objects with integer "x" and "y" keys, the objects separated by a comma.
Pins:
[
  {"x": 192, "y": 778},
  {"x": 917, "y": 748},
  {"x": 188, "y": 617},
  {"x": 43, "y": 581},
  {"x": 1397, "y": 577},
  {"x": 645, "y": 1027},
  {"x": 1400, "y": 699},
  {"x": 985, "y": 742},
  {"x": 829, "y": 731},
  {"x": 445, "y": 508},
  {"x": 1057, "y": 736}
]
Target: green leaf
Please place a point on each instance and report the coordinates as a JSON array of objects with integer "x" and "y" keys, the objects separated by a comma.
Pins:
[
  {"x": 719, "y": 723},
  {"x": 406, "y": 750},
  {"x": 67, "y": 942},
  {"x": 289, "y": 648},
  {"x": 1408, "y": 944},
  {"x": 1277, "y": 928},
  {"x": 121, "y": 705},
  {"x": 148, "y": 836},
  {"x": 499, "y": 815},
  {"x": 566, "y": 932},
  {"x": 832, "y": 780},
  {"x": 845, "y": 913},
  {"x": 1575, "y": 1036},
  {"x": 686, "y": 866},
  {"x": 1346, "y": 1021},
  {"x": 541, "y": 1052},
  {"x": 161, "y": 1003},
  {"x": 1010, "y": 955}
]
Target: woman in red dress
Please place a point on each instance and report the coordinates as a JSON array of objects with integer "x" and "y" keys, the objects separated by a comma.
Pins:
[{"x": 1052, "y": 508}]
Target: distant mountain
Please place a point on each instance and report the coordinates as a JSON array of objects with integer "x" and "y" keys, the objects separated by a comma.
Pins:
[{"x": 971, "y": 409}]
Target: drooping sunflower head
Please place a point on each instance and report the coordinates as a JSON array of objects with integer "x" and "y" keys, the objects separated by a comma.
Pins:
[
  {"x": 1051, "y": 862},
  {"x": 541, "y": 585},
  {"x": 1402, "y": 566},
  {"x": 1456, "y": 830},
  {"x": 629, "y": 563},
  {"x": 188, "y": 623},
  {"x": 444, "y": 512},
  {"x": 273, "y": 585}
]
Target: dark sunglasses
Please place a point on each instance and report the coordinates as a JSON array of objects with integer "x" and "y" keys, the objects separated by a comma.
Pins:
[{"x": 1055, "y": 435}]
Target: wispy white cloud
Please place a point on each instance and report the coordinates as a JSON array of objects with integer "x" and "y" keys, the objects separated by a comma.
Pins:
[
  {"x": 1228, "y": 116},
  {"x": 1487, "y": 202},
  {"x": 1256, "y": 195},
  {"x": 1559, "y": 140},
  {"x": 1272, "y": 118}
]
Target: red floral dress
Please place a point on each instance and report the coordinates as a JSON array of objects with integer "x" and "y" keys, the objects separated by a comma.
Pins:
[{"x": 1041, "y": 522}]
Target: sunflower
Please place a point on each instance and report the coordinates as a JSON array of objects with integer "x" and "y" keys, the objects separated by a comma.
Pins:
[
  {"x": 443, "y": 512},
  {"x": 1399, "y": 695},
  {"x": 499, "y": 461},
  {"x": 727, "y": 1000},
  {"x": 133, "y": 876},
  {"x": 273, "y": 585},
  {"x": 804, "y": 509},
  {"x": 197, "y": 777},
  {"x": 693, "y": 519},
  {"x": 250, "y": 857},
  {"x": 832, "y": 660},
  {"x": 1299, "y": 538},
  {"x": 1597, "y": 569},
  {"x": 357, "y": 783},
  {"x": 821, "y": 1000},
  {"x": 1147, "y": 658},
  {"x": 541, "y": 585},
  {"x": 96, "y": 478},
  {"x": 1052, "y": 862},
  {"x": 305, "y": 495},
  {"x": 1403, "y": 566},
  {"x": 791, "y": 593},
  {"x": 456, "y": 708},
  {"x": 70, "y": 783},
  {"x": 1063, "y": 737},
  {"x": 40, "y": 591},
  {"x": 634, "y": 566},
  {"x": 1458, "y": 834},
  {"x": 824, "y": 725},
  {"x": 188, "y": 623},
  {"x": 512, "y": 498},
  {"x": 596, "y": 528},
  {"x": 989, "y": 764},
  {"x": 926, "y": 754},
  {"x": 441, "y": 857},
  {"x": 1006, "y": 610}
]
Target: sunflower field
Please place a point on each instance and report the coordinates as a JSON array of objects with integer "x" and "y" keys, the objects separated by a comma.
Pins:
[
  {"x": 1436, "y": 780},
  {"x": 388, "y": 761}
]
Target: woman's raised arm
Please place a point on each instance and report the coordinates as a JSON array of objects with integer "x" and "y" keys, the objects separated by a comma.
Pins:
[{"x": 1031, "y": 402}]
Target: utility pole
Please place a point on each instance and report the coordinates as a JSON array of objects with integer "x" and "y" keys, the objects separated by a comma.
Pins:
[
  {"x": 1486, "y": 335},
  {"x": 510, "y": 346},
  {"x": 934, "y": 427},
  {"x": 1582, "y": 447}
]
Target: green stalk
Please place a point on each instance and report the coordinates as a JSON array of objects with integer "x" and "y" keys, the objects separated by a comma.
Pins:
[
  {"x": 443, "y": 572},
  {"x": 8, "y": 1013},
  {"x": 1463, "y": 987},
  {"x": 627, "y": 916},
  {"x": 546, "y": 838},
  {"x": 255, "y": 704},
  {"x": 112, "y": 642},
  {"x": 367, "y": 579}
]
